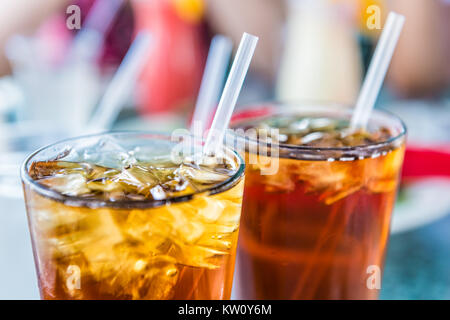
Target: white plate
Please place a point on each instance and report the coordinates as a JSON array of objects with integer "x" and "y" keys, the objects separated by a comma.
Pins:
[{"x": 425, "y": 202}]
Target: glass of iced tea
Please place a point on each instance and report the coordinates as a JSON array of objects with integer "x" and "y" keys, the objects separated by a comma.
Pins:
[
  {"x": 113, "y": 216},
  {"x": 318, "y": 199}
]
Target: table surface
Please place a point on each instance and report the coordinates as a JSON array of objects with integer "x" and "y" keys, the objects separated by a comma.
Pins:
[{"x": 418, "y": 263}]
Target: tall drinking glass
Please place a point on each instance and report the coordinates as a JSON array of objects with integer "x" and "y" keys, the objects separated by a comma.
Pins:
[
  {"x": 113, "y": 216},
  {"x": 317, "y": 204}
]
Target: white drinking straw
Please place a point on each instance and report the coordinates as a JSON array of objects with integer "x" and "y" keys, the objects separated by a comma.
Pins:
[
  {"x": 212, "y": 81},
  {"x": 377, "y": 70},
  {"x": 231, "y": 92},
  {"x": 121, "y": 84}
]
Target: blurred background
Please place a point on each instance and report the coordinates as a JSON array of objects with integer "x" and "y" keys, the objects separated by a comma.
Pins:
[{"x": 58, "y": 60}]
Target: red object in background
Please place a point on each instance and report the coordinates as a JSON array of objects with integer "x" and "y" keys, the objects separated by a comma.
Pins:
[
  {"x": 118, "y": 37},
  {"x": 171, "y": 78},
  {"x": 252, "y": 112},
  {"x": 426, "y": 162}
]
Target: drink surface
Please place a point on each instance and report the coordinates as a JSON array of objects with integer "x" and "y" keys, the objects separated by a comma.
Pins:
[
  {"x": 139, "y": 181},
  {"x": 324, "y": 132},
  {"x": 96, "y": 242},
  {"x": 317, "y": 229}
]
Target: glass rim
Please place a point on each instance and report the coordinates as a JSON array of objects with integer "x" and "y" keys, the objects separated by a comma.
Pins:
[
  {"x": 77, "y": 201},
  {"x": 314, "y": 107}
]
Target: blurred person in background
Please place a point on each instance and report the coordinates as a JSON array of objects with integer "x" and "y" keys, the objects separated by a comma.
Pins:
[
  {"x": 169, "y": 80},
  {"x": 48, "y": 19},
  {"x": 264, "y": 18},
  {"x": 420, "y": 66},
  {"x": 22, "y": 16}
]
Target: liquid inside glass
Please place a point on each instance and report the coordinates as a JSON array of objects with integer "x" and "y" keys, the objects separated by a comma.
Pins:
[
  {"x": 318, "y": 228},
  {"x": 124, "y": 222}
]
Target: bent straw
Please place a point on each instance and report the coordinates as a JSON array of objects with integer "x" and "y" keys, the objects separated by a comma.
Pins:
[
  {"x": 377, "y": 70},
  {"x": 231, "y": 92},
  {"x": 212, "y": 81},
  {"x": 121, "y": 84}
]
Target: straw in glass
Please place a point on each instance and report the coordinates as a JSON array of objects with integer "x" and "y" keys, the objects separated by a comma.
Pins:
[
  {"x": 377, "y": 70},
  {"x": 212, "y": 82},
  {"x": 230, "y": 93},
  {"x": 227, "y": 103}
]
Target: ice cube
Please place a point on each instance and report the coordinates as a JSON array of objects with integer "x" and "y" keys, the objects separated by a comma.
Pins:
[
  {"x": 200, "y": 175},
  {"x": 72, "y": 184},
  {"x": 300, "y": 125},
  {"x": 136, "y": 176},
  {"x": 384, "y": 171},
  {"x": 312, "y": 137},
  {"x": 108, "y": 152},
  {"x": 135, "y": 274},
  {"x": 334, "y": 179},
  {"x": 158, "y": 193}
]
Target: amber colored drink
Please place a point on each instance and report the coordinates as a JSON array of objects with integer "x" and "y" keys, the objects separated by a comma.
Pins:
[
  {"x": 318, "y": 228},
  {"x": 112, "y": 217}
]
